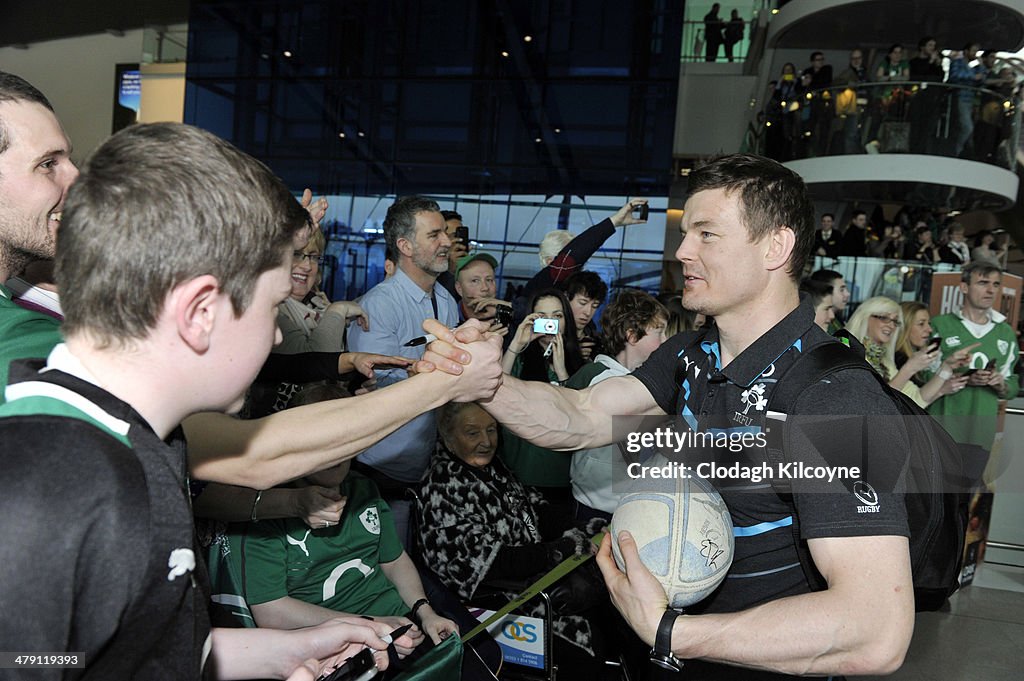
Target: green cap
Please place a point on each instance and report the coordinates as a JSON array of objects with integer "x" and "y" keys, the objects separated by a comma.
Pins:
[{"x": 470, "y": 257}]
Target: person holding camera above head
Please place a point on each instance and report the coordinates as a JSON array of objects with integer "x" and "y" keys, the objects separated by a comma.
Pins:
[
  {"x": 562, "y": 254},
  {"x": 544, "y": 348}
]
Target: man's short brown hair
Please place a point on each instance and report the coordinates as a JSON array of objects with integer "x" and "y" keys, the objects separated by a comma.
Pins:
[
  {"x": 979, "y": 267},
  {"x": 157, "y": 205},
  {"x": 771, "y": 195}
]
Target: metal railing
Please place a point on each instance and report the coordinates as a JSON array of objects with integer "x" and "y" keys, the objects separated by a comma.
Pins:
[
  {"x": 697, "y": 48},
  {"x": 980, "y": 124}
]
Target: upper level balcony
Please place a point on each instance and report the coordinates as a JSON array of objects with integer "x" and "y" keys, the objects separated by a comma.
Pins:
[
  {"x": 932, "y": 144},
  {"x": 924, "y": 143}
]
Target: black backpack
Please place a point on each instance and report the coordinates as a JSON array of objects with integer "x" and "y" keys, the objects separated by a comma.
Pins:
[{"x": 937, "y": 520}]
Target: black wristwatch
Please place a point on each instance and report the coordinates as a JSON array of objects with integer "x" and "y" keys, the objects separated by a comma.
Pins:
[{"x": 661, "y": 654}]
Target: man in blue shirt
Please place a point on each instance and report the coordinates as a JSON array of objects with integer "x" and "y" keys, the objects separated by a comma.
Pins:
[{"x": 414, "y": 230}]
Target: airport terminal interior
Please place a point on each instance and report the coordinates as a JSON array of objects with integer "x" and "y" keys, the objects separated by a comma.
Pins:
[{"x": 528, "y": 117}]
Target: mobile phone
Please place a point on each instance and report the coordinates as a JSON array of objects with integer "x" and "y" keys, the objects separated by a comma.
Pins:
[
  {"x": 934, "y": 340},
  {"x": 640, "y": 211},
  {"x": 545, "y": 325},
  {"x": 359, "y": 667},
  {"x": 503, "y": 315},
  {"x": 462, "y": 234}
]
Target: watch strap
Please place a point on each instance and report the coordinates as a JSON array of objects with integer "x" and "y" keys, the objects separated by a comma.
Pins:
[{"x": 661, "y": 654}]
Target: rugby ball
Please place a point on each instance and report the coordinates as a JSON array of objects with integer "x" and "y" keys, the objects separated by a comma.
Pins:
[{"x": 683, "y": 532}]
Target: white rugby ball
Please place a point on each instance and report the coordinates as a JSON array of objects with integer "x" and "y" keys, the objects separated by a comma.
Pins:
[{"x": 683, "y": 532}]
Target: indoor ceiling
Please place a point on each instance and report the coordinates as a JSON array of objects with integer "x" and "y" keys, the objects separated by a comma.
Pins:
[
  {"x": 26, "y": 22},
  {"x": 998, "y": 25}
]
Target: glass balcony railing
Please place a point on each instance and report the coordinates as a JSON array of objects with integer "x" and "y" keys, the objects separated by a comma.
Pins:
[
  {"x": 897, "y": 279},
  {"x": 980, "y": 124}
]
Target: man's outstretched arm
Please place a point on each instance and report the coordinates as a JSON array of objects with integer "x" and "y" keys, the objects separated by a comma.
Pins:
[
  {"x": 289, "y": 444},
  {"x": 546, "y": 415},
  {"x": 565, "y": 419}
]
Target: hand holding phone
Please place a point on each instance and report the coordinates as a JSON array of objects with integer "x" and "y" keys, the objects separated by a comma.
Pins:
[{"x": 359, "y": 667}]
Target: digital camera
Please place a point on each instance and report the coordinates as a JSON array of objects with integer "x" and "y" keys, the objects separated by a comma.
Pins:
[{"x": 545, "y": 325}]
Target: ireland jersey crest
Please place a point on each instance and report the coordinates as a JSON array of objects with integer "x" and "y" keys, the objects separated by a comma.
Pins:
[{"x": 370, "y": 520}]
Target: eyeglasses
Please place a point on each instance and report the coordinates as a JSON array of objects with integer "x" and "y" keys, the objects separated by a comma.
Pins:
[
  {"x": 313, "y": 258},
  {"x": 886, "y": 320}
]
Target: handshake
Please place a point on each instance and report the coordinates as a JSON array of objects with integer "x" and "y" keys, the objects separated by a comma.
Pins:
[{"x": 471, "y": 354}]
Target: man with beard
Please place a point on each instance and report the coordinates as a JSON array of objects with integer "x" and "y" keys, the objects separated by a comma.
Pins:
[
  {"x": 415, "y": 232},
  {"x": 35, "y": 174}
]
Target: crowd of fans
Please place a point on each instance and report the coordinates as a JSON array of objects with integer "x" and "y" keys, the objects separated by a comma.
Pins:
[
  {"x": 913, "y": 234},
  {"x": 472, "y": 468},
  {"x": 452, "y": 504},
  {"x": 895, "y": 105}
]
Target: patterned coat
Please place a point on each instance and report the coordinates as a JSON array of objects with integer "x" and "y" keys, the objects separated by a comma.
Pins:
[{"x": 467, "y": 514}]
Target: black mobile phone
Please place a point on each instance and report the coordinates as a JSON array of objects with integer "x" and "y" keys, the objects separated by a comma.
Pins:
[
  {"x": 462, "y": 234},
  {"x": 503, "y": 315},
  {"x": 359, "y": 667},
  {"x": 640, "y": 211},
  {"x": 934, "y": 340}
]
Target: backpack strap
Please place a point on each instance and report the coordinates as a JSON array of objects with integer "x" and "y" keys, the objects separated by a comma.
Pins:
[{"x": 809, "y": 368}]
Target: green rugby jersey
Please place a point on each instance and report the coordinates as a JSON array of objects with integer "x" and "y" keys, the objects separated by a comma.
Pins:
[
  {"x": 970, "y": 414},
  {"x": 336, "y": 567}
]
